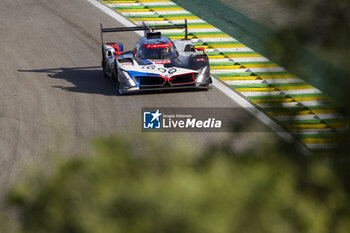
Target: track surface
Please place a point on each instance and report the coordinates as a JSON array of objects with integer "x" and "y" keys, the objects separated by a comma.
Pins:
[{"x": 52, "y": 93}]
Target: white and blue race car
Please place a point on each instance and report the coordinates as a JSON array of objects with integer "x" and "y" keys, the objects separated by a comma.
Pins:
[{"x": 157, "y": 62}]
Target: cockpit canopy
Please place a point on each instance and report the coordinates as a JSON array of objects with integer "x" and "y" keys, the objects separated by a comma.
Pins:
[
  {"x": 157, "y": 51},
  {"x": 159, "y": 48}
]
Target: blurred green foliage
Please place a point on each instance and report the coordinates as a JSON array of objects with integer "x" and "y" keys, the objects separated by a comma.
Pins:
[{"x": 162, "y": 188}]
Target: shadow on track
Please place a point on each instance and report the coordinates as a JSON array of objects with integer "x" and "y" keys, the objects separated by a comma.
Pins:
[
  {"x": 85, "y": 79},
  {"x": 91, "y": 80}
]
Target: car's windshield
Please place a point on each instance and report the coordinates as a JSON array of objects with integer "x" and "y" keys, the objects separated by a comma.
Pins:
[{"x": 157, "y": 51}]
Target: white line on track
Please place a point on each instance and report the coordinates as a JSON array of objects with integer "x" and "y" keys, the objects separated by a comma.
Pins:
[
  {"x": 296, "y": 117},
  {"x": 215, "y": 39},
  {"x": 261, "y": 93},
  {"x": 173, "y": 12},
  {"x": 216, "y": 83},
  {"x": 159, "y": 22},
  {"x": 294, "y": 104},
  {"x": 142, "y": 4},
  {"x": 268, "y": 69},
  {"x": 321, "y": 146},
  {"x": 288, "y": 92},
  {"x": 270, "y": 93},
  {"x": 281, "y": 80},
  {"x": 250, "y": 70},
  {"x": 302, "y": 91},
  {"x": 191, "y": 30},
  {"x": 325, "y": 116},
  {"x": 266, "y": 93},
  {"x": 314, "y": 131},
  {"x": 233, "y": 49},
  {"x": 224, "y": 60},
  {"x": 229, "y": 71},
  {"x": 315, "y": 103},
  {"x": 244, "y": 82},
  {"x": 154, "y": 13},
  {"x": 249, "y": 59},
  {"x": 179, "y": 21}
]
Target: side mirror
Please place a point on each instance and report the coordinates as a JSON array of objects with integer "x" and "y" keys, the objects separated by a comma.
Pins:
[
  {"x": 190, "y": 48},
  {"x": 201, "y": 49}
]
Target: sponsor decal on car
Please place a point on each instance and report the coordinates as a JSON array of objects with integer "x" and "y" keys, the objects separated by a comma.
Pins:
[
  {"x": 156, "y": 46},
  {"x": 162, "y": 61}
]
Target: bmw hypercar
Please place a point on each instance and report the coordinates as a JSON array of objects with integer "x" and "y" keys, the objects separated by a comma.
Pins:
[{"x": 157, "y": 62}]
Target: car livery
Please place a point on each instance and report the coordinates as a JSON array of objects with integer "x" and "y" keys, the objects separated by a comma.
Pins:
[{"x": 157, "y": 62}]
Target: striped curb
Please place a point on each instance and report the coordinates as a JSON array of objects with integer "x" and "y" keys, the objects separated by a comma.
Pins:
[{"x": 299, "y": 107}]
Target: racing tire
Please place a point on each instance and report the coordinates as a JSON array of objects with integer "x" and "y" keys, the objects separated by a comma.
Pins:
[
  {"x": 117, "y": 84},
  {"x": 106, "y": 73}
]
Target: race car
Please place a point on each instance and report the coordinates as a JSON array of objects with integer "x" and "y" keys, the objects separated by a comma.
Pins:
[{"x": 157, "y": 62}]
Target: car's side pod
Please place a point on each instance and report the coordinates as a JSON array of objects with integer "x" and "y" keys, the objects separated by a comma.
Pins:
[
  {"x": 198, "y": 61},
  {"x": 126, "y": 60}
]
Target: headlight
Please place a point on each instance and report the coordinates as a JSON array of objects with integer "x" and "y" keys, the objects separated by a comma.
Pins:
[
  {"x": 127, "y": 76},
  {"x": 202, "y": 74}
]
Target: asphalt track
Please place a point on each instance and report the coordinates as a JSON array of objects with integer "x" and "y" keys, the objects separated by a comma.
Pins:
[{"x": 52, "y": 94}]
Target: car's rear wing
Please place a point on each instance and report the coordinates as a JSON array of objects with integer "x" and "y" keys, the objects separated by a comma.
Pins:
[{"x": 145, "y": 28}]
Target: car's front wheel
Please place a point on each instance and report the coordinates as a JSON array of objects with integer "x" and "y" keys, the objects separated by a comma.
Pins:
[
  {"x": 117, "y": 83},
  {"x": 106, "y": 70}
]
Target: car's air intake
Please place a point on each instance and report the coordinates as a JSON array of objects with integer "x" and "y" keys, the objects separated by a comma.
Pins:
[
  {"x": 150, "y": 81},
  {"x": 184, "y": 79}
]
